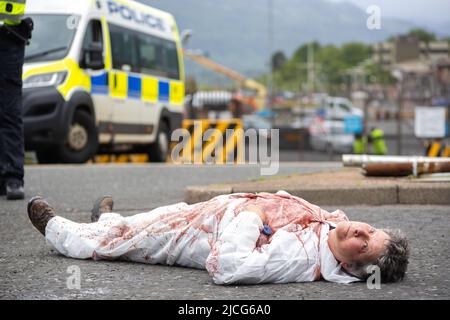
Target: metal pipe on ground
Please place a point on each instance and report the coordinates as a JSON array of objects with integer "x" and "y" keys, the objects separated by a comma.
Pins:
[
  {"x": 356, "y": 160},
  {"x": 405, "y": 168}
]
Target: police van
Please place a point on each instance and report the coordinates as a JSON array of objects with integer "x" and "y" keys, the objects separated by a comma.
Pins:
[{"x": 101, "y": 75}]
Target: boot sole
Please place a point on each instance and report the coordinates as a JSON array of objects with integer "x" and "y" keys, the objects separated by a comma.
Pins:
[
  {"x": 95, "y": 212},
  {"x": 15, "y": 196},
  {"x": 30, "y": 203}
]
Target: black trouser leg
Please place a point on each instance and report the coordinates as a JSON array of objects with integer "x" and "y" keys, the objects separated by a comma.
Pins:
[{"x": 11, "y": 124}]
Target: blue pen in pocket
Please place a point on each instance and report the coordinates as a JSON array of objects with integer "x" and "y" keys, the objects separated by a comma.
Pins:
[{"x": 267, "y": 230}]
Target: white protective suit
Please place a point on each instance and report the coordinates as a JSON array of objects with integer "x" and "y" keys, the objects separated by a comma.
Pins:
[{"x": 216, "y": 235}]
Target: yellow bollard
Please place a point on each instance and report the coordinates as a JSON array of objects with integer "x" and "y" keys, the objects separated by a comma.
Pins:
[
  {"x": 446, "y": 152},
  {"x": 203, "y": 145},
  {"x": 434, "y": 149}
]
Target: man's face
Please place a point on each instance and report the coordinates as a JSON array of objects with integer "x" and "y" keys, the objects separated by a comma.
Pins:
[{"x": 358, "y": 242}]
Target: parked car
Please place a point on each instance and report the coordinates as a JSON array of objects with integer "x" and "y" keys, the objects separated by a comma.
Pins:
[
  {"x": 337, "y": 108},
  {"x": 254, "y": 121},
  {"x": 329, "y": 136}
]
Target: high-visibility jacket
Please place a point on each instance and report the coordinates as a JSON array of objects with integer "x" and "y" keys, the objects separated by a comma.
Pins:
[
  {"x": 360, "y": 145},
  {"x": 378, "y": 144},
  {"x": 12, "y": 11}
]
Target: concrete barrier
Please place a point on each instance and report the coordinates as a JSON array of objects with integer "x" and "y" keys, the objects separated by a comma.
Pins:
[{"x": 342, "y": 187}]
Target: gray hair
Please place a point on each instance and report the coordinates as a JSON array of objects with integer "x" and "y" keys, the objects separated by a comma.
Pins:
[{"x": 393, "y": 262}]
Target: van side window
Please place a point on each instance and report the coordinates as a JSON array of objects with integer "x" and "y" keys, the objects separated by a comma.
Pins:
[
  {"x": 123, "y": 48},
  {"x": 158, "y": 56},
  {"x": 344, "y": 107},
  {"x": 170, "y": 52},
  {"x": 144, "y": 53},
  {"x": 149, "y": 53},
  {"x": 93, "y": 36}
]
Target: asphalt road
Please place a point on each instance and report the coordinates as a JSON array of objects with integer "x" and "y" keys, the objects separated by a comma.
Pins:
[{"x": 29, "y": 270}]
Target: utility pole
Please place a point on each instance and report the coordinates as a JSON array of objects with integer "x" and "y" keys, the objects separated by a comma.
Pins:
[
  {"x": 399, "y": 118},
  {"x": 311, "y": 74},
  {"x": 270, "y": 47},
  {"x": 401, "y": 89}
]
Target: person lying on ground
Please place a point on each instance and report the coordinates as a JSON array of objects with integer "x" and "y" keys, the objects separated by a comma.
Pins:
[{"x": 238, "y": 238}]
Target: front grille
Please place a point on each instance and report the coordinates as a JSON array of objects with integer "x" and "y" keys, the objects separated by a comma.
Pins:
[{"x": 40, "y": 110}]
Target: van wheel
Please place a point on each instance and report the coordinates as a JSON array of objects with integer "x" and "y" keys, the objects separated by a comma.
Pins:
[
  {"x": 81, "y": 142},
  {"x": 159, "y": 150}
]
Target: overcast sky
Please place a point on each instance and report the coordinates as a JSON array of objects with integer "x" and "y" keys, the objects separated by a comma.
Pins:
[{"x": 419, "y": 11}]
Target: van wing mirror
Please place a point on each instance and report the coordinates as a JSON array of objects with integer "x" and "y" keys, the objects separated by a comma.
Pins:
[{"x": 93, "y": 56}]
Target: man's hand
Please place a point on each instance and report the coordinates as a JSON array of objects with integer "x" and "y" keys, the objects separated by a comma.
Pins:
[{"x": 256, "y": 210}]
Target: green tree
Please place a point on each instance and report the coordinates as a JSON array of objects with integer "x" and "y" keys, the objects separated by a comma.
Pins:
[
  {"x": 354, "y": 53},
  {"x": 278, "y": 60},
  {"x": 331, "y": 64},
  {"x": 376, "y": 74},
  {"x": 422, "y": 34},
  {"x": 301, "y": 54}
]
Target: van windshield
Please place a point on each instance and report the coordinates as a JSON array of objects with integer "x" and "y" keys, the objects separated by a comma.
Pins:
[{"x": 51, "y": 38}]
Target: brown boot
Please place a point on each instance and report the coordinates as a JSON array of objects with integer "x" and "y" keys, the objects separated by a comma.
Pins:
[
  {"x": 40, "y": 212},
  {"x": 101, "y": 205}
]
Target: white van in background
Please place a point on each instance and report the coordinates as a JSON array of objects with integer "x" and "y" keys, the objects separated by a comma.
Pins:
[{"x": 337, "y": 108}]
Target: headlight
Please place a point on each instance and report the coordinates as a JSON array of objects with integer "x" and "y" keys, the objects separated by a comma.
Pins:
[{"x": 45, "y": 80}]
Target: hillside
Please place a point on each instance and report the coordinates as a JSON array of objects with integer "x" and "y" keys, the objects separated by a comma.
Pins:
[{"x": 235, "y": 32}]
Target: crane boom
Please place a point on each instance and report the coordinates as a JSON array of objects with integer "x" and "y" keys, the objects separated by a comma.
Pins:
[
  {"x": 202, "y": 60},
  {"x": 261, "y": 91}
]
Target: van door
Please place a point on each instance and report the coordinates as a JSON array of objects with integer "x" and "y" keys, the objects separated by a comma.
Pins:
[
  {"x": 125, "y": 85},
  {"x": 159, "y": 65},
  {"x": 148, "y": 60},
  {"x": 94, "y": 40}
]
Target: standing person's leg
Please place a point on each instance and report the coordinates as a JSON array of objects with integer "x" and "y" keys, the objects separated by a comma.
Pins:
[
  {"x": 2, "y": 147},
  {"x": 11, "y": 125},
  {"x": 4, "y": 55}
]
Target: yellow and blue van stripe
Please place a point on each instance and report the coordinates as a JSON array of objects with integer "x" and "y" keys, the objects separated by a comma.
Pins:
[
  {"x": 139, "y": 87},
  {"x": 99, "y": 84},
  {"x": 134, "y": 86}
]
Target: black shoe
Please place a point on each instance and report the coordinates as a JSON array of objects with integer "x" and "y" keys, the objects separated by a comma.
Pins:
[
  {"x": 40, "y": 212},
  {"x": 14, "y": 190},
  {"x": 102, "y": 205}
]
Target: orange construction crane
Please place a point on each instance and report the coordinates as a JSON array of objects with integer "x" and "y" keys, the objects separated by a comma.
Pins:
[{"x": 243, "y": 81}]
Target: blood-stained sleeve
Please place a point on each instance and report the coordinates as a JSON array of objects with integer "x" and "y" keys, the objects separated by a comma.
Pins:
[
  {"x": 335, "y": 216},
  {"x": 236, "y": 259}
]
